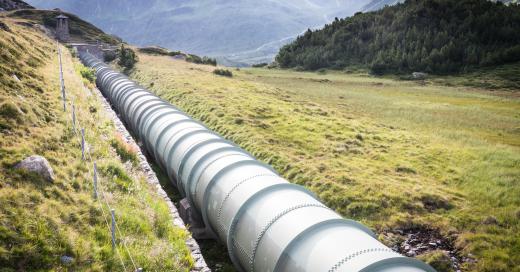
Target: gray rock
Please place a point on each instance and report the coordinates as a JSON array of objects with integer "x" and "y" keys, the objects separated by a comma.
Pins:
[
  {"x": 419, "y": 75},
  {"x": 66, "y": 260},
  {"x": 39, "y": 165}
]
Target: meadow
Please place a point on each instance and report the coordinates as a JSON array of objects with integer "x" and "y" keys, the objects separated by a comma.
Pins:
[
  {"x": 435, "y": 156},
  {"x": 43, "y": 222}
]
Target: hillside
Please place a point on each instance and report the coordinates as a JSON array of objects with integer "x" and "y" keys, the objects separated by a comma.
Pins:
[
  {"x": 434, "y": 36},
  {"x": 57, "y": 225},
  {"x": 208, "y": 27},
  {"x": 9, "y": 5},
  {"x": 403, "y": 158},
  {"x": 79, "y": 29},
  {"x": 379, "y": 4}
]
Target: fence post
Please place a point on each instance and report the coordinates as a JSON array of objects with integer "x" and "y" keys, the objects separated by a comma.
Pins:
[
  {"x": 62, "y": 83},
  {"x": 95, "y": 181},
  {"x": 83, "y": 144},
  {"x": 74, "y": 118},
  {"x": 64, "y": 98},
  {"x": 113, "y": 228}
]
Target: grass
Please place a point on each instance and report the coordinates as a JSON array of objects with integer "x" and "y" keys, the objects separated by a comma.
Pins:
[
  {"x": 42, "y": 221},
  {"x": 493, "y": 78},
  {"x": 391, "y": 154},
  {"x": 125, "y": 151}
]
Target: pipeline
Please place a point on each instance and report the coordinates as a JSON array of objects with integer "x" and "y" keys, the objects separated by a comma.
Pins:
[{"x": 267, "y": 223}]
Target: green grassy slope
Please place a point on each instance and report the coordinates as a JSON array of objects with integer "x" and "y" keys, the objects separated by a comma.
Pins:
[
  {"x": 391, "y": 154},
  {"x": 79, "y": 29},
  {"x": 42, "y": 221}
]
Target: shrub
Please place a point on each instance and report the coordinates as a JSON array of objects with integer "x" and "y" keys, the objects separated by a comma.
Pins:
[
  {"x": 198, "y": 60},
  {"x": 127, "y": 58},
  {"x": 109, "y": 56},
  {"x": 259, "y": 65},
  {"x": 88, "y": 74},
  {"x": 223, "y": 72}
]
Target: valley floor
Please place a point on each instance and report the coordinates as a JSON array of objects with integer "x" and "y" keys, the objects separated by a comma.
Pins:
[{"x": 399, "y": 156}]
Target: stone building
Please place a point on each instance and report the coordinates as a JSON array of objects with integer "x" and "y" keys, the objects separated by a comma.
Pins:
[{"x": 62, "y": 28}]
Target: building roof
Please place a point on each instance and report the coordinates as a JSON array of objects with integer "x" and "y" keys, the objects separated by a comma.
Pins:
[{"x": 61, "y": 16}]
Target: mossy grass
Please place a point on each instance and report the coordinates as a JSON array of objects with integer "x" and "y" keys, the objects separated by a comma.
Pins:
[
  {"x": 42, "y": 221},
  {"x": 392, "y": 154}
]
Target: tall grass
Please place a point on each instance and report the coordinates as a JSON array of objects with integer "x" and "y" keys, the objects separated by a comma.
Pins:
[{"x": 391, "y": 154}]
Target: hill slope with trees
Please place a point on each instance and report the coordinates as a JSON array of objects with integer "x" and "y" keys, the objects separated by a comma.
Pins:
[{"x": 435, "y": 36}]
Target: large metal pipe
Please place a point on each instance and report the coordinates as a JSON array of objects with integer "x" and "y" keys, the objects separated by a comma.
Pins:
[{"x": 267, "y": 223}]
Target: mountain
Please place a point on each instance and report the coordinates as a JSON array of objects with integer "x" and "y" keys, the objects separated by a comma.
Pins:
[
  {"x": 379, "y": 4},
  {"x": 435, "y": 36},
  {"x": 14, "y": 4},
  {"x": 238, "y": 30}
]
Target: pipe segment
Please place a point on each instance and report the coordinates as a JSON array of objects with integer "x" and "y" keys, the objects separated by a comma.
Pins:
[{"x": 267, "y": 223}]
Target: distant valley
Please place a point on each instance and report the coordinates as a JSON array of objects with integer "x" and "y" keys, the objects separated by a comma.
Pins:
[
  {"x": 223, "y": 29},
  {"x": 217, "y": 28}
]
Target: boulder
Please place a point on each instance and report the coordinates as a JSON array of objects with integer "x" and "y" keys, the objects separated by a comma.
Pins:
[
  {"x": 419, "y": 75},
  {"x": 39, "y": 165}
]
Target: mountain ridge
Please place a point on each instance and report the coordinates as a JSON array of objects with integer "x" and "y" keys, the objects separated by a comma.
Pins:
[{"x": 213, "y": 28}]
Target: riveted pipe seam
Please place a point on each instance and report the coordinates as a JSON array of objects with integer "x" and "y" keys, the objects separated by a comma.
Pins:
[
  {"x": 216, "y": 176},
  {"x": 231, "y": 230},
  {"x": 164, "y": 143}
]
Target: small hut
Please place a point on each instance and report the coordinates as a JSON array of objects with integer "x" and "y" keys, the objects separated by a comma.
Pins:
[{"x": 62, "y": 28}]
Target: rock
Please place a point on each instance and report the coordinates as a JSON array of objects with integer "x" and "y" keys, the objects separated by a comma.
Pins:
[
  {"x": 66, "y": 260},
  {"x": 419, "y": 75},
  {"x": 16, "y": 78},
  {"x": 39, "y": 165}
]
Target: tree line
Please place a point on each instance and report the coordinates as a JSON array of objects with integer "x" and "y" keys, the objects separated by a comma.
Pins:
[{"x": 434, "y": 36}]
